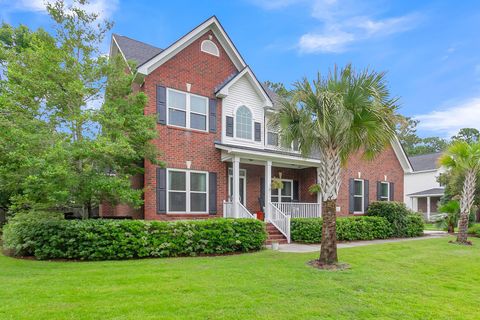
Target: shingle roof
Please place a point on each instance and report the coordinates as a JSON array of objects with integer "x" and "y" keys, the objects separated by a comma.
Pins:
[
  {"x": 136, "y": 50},
  {"x": 429, "y": 192},
  {"x": 425, "y": 161},
  {"x": 272, "y": 95}
]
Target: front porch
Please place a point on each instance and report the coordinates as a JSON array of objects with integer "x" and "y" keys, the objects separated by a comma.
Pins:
[
  {"x": 250, "y": 190},
  {"x": 427, "y": 202}
]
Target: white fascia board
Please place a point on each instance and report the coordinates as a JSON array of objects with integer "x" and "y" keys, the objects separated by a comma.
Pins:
[
  {"x": 247, "y": 72},
  {"x": 401, "y": 156},
  {"x": 426, "y": 195},
  {"x": 210, "y": 24},
  {"x": 262, "y": 155}
]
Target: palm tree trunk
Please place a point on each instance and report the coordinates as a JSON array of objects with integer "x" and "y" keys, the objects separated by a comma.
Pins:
[
  {"x": 466, "y": 203},
  {"x": 328, "y": 250}
]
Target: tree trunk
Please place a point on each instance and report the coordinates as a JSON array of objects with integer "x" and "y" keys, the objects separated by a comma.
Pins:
[
  {"x": 466, "y": 203},
  {"x": 328, "y": 250}
]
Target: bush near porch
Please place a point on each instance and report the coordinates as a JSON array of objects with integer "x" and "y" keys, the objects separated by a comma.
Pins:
[
  {"x": 309, "y": 230},
  {"x": 51, "y": 238}
]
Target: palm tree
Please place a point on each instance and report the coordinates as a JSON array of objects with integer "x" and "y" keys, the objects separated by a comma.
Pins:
[
  {"x": 336, "y": 116},
  {"x": 464, "y": 158}
]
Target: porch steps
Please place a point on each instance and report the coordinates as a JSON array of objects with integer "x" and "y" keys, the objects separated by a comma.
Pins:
[{"x": 274, "y": 235}]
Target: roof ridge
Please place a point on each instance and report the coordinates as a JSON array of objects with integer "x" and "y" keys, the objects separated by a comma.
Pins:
[{"x": 136, "y": 40}]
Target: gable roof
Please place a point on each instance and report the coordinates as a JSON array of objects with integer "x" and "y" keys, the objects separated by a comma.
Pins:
[
  {"x": 425, "y": 161},
  {"x": 222, "y": 90},
  {"x": 132, "y": 49},
  {"x": 210, "y": 24}
]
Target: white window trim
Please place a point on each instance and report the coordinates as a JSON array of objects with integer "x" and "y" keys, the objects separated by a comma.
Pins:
[
  {"x": 244, "y": 177},
  {"x": 187, "y": 111},
  {"x": 187, "y": 192},
  {"x": 217, "y": 54},
  {"x": 279, "y": 191},
  {"x": 235, "y": 125},
  {"x": 388, "y": 191},
  {"x": 358, "y": 196}
]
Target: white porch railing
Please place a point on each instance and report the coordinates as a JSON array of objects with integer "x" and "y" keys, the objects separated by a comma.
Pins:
[
  {"x": 280, "y": 220},
  {"x": 300, "y": 210},
  {"x": 242, "y": 211}
]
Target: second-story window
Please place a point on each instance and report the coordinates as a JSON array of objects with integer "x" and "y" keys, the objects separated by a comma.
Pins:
[
  {"x": 243, "y": 123},
  {"x": 187, "y": 110}
]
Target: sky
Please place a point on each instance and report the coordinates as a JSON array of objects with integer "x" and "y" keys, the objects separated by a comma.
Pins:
[{"x": 429, "y": 49}]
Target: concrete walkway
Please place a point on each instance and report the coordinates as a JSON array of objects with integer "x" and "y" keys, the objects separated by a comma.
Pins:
[{"x": 304, "y": 248}]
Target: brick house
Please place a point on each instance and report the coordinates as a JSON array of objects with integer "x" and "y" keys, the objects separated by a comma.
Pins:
[{"x": 212, "y": 118}]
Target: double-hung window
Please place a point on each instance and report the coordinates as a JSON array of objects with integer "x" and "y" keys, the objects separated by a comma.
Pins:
[
  {"x": 187, "y": 191},
  {"x": 384, "y": 191},
  {"x": 244, "y": 123},
  {"x": 187, "y": 110},
  {"x": 358, "y": 195}
]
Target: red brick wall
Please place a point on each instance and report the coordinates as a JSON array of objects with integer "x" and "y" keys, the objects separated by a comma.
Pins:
[
  {"x": 386, "y": 164},
  {"x": 204, "y": 72}
]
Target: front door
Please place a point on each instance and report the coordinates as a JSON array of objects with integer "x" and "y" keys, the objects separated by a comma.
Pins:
[{"x": 242, "y": 184}]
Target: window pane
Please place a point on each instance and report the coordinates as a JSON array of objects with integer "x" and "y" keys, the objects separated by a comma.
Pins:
[
  {"x": 272, "y": 138},
  {"x": 358, "y": 188},
  {"x": 287, "y": 188},
  {"x": 357, "y": 201},
  {"x": 177, "y": 201},
  {"x": 176, "y": 180},
  {"x": 177, "y": 118},
  {"x": 177, "y": 100},
  {"x": 198, "y": 105},
  {"x": 198, "y": 182},
  {"x": 198, "y": 121},
  {"x": 244, "y": 123},
  {"x": 198, "y": 202},
  {"x": 286, "y": 199},
  {"x": 274, "y": 199},
  {"x": 384, "y": 190}
]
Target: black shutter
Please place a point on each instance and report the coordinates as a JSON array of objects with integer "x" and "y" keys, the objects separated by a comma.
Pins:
[
  {"x": 351, "y": 192},
  {"x": 212, "y": 192},
  {"x": 379, "y": 190},
  {"x": 258, "y": 131},
  {"x": 229, "y": 129},
  {"x": 161, "y": 105},
  {"x": 212, "y": 106},
  {"x": 261, "y": 199},
  {"x": 365, "y": 195},
  {"x": 295, "y": 191},
  {"x": 392, "y": 192},
  {"x": 161, "y": 190}
]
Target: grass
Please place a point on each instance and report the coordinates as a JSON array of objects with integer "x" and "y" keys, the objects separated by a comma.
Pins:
[
  {"x": 425, "y": 279},
  {"x": 432, "y": 227}
]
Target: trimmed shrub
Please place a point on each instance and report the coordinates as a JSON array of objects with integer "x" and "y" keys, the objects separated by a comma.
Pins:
[
  {"x": 474, "y": 230},
  {"x": 348, "y": 229},
  {"x": 395, "y": 212},
  {"x": 415, "y": 225},
  {"x": 127, "y": 239}
]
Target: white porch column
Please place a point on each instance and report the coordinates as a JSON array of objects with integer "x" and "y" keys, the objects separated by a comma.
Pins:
[
  {"x": 428, "y": 208},
  {"x": 268, "y": 184},
  {"x": 236, "y": 185}
]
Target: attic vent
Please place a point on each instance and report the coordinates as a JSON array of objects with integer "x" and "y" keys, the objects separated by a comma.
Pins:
[{"x": 210, "y": 47}]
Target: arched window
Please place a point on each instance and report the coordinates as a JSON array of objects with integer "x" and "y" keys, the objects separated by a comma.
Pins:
[
  {"x": 243, "y": 122},
  {"x": 210, "y": 47}
]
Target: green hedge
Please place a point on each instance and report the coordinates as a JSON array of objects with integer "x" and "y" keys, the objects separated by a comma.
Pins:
[
  {"x": 127, "y": 239},
  {"x": 348, "y": 229},
  {"x": 474, "y": 230},
  {"x": 414, "y": 225},
  {"x": 395, "y": 212}
]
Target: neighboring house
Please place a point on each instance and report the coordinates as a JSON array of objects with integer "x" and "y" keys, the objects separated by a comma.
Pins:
[
  {"x": 212, "y": 115},
  {"x": 422, "y": 190}
]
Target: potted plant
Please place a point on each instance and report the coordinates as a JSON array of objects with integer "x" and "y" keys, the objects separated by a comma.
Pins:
[{"x": 314, "y": 188}]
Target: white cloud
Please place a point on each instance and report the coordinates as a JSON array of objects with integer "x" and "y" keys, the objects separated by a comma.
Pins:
[
  {"x": 329, "y": 42},
  {"x": 343, "y": 23},
  {"x": 104, "y": 8},
  {"x": 449, "y": 120}
]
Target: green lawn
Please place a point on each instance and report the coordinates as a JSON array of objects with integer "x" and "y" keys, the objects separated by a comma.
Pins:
[
  {"x": 432, "y": 226},
  {"x": 426, "y": 279}
]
